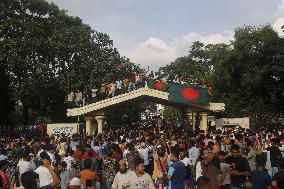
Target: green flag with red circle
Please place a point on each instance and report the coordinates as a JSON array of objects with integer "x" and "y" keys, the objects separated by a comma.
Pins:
[
  {"x": 188, "y": 94},
  {"x": 158, "y": 85}
]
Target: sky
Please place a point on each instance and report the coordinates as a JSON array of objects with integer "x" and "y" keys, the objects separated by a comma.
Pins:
[{"x": 155, "y": 32}]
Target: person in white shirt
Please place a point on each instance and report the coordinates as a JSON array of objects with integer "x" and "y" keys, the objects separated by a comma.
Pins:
[
  {"x": 45, "y": 177},
  {"x": 123, "y": 177},
  {"x": 51, "y": 155},
  {"x": 25, "y": 164},
  {"x": 69, "y": 160},
  {"x": 140, "y": 179},
  {"x": 144, "y": 154},
  {"x": 193, "y": 154},
  {"x": 39, "y": 152},
  {"x": 185, "y": 160}
]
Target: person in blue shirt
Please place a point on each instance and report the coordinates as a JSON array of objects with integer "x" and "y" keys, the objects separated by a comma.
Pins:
[
  {"x": 64, "y": 175},
  {"x": 260, "y": 178},
  {"x": 177, "y": 170}
]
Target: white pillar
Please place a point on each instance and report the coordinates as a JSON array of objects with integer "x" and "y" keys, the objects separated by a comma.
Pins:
[
  {"x": 191, "y": 118},
  {"x": 89, "y": 124},
  {"x": 204, "y": 121},
  {"x": 100, "y": 120}
]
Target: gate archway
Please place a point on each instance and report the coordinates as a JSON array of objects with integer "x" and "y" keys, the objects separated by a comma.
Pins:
[{"x": 98, "y": 111}]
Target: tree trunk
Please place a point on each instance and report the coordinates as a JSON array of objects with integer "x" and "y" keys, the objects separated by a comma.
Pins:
[{"x": 25, "y": 114}]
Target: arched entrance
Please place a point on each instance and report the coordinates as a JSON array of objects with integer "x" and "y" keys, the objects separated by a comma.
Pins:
[{"x": 97, "y": 112}]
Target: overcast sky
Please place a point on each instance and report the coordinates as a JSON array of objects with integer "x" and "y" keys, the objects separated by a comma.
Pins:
[{"x": 155, "y": 32}]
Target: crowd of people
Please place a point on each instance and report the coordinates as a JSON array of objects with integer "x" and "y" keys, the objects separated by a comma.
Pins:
[
  {"x": 123, "y": 85},
  {"x": 108, "y": 90},
  {"x": 144, "y": 157}
]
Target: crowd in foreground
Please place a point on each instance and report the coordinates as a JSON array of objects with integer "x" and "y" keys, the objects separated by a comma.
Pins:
[{"x": 144, "y": 157}]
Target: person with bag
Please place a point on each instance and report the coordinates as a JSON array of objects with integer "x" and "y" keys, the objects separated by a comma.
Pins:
[{"x": 160, "y": 162}]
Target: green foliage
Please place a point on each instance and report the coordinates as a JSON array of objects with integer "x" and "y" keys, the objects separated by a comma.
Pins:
[
  {"x": 6, "y": 103},
  {"x": 191, "y": 67},
  {"x": 172, "y": 113},
  {"x": 48, "y": 54},
  {"x": 247, "y": 74}
]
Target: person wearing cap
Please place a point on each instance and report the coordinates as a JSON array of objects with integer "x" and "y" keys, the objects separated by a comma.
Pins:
[
  {"x": 122, "y": 178},
  {"x": 75, "y": 183}
]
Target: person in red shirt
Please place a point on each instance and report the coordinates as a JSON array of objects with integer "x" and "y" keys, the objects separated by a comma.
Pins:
[
  {"x": 78, "y": 155},
  {"x": 3, "y": 175},
  {"x": 115, "y": 154},
  {"x": 90, "y": 151}
]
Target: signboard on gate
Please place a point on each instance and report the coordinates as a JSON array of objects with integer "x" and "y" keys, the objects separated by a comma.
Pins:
[{"x": 59, "y": 128}]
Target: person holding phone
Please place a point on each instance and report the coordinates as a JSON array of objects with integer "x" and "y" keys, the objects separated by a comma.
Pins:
[{"x": 30, "y": 179}]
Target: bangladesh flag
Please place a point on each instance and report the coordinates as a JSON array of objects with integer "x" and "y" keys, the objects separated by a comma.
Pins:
[
  {"x": 188, "y": 94},
  {"x": 158, "y": 85}
]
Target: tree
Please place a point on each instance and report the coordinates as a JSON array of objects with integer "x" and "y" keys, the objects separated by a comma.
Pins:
[
  {"x": 246, "y": 74},
  {"x": 49, "y": 54},
  {"x": 6, "y": 101},
  {"x": 195, "y": 66}
]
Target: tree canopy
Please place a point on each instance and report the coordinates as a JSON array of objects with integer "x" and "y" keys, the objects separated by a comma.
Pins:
[
  {"x": 247, "y": 74},
  {"x": 48, "y": 53}
]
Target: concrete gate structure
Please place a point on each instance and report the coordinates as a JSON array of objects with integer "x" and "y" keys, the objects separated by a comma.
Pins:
[{"x": 98, "y": 110}]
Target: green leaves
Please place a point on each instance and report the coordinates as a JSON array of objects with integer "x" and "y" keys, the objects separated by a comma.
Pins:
[
  {"x": 49, "y": 54},
  {"x": 247, "y": 74}
]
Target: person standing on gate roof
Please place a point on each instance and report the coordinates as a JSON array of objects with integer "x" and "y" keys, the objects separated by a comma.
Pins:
[
  {"x": 71, "y": 99},
  {"x": 132, "y": 82},
  {"x": 118, "y": 88},
  {"x": 94, "y": 94},
  {"x": 112, "y": 87},
  {"x": 78, "y": 99}
]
